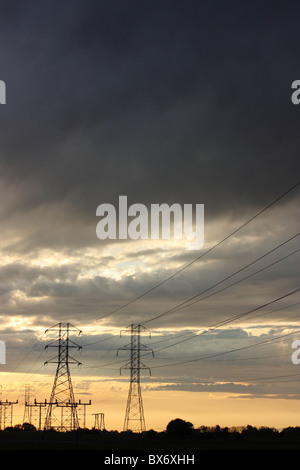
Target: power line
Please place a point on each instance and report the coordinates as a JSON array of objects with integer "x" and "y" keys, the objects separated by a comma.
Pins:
[
  {"x": 209, "y": 356},
  {"x": 202, "y": 356},
  {"x": 244, "y": 358},
  {"x": 231, "y": 319},
  {"x": 200, "y": 256},
  {"x": 99, "y": 341},
  {"x": 214, "y": 326},
  {"x": 183, "y": 304},
  {"x": 225, "y": 322},
  {"x": 27, "y": 354},
  {"x": 249, "y": 358},
  {"x": 265, "y": 378},
  {"x": 255, "y": 379},
  {"x": 193, "y": 333}
]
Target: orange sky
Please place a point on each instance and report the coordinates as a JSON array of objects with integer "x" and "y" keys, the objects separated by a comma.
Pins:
[{"x": 200, "y": 408}]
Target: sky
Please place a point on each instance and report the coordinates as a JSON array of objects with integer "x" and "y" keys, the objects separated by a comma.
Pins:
[{"x": 184, "y": 102}]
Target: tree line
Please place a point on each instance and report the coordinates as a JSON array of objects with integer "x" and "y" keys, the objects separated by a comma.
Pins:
[{"x": 182, "y": 429}]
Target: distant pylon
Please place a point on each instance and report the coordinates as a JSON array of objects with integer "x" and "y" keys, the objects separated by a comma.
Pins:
[
  {"x": 99, "y": 421},
  {"x": 134, "y": 415},
  {"x": 41, "y": 406},
  {"x": 4, "y": 415},
  {"x": 27, "y": 416},
  {"x": 62, "y": 395}
]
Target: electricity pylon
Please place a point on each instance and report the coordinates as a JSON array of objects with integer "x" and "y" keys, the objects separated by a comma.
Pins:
[
  {"x": 41, "y": 406},
  {"x": 134, "y": 415},
  {"x": 62, "y": 396},
  {"x": 99, "y": 421},
  {"x": 27, "y": 416},
  {"x": 4, "y": 415}
]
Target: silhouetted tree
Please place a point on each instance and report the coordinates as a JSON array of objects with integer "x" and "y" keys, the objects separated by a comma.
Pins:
[
  {"x": 28, "y": 427},
  {"x": 250, "y": 431},
  {"x": 179, "y": 428},
  {"x": 218, "y": 432},
  {"x": 291, "y": 431},
  {"x": 151, "y": 434}
]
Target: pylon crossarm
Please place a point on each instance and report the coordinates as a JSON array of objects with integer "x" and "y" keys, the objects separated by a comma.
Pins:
[
  {"x": 73, "y": 344},
  {"x": 51, "y": 345},
  {"x": 74, "y": 361},
  {"x": 124, "y": 348},
  {"x": 142, "y": 366},
  {"x": 51, "y": 361}
]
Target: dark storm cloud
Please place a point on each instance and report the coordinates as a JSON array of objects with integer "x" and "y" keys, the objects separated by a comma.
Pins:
[{"x": 163, "y": 101}]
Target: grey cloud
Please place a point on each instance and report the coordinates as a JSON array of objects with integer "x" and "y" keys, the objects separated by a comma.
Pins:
[
  {"x": 240, "y": 391},
  {"x": 163, "y": 102},
  {"x": 113, "y": 102}
]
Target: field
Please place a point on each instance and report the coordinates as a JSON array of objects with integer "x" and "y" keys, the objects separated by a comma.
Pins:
[{"x": 118, "y": 442}]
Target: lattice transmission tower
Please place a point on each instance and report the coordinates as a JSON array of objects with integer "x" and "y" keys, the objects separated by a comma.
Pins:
[
  {"x": 134, "y": 415},
  {"x": 62, "y": 408},
  {"x": 27, "y": 416},
  {"x": 5, "y": 407},
  {"x": 6, "y": 413},
  {"x": 99, "y": 421}
]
